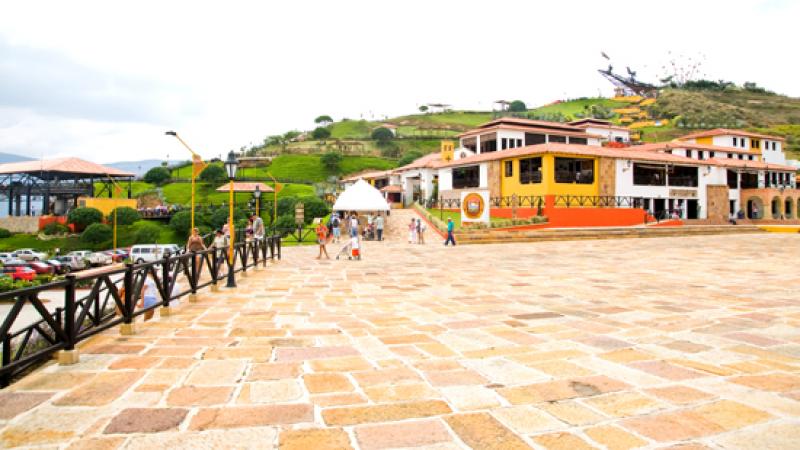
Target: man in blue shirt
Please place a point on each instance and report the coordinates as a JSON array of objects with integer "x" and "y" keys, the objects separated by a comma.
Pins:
[{"x": 450, "y": 238}]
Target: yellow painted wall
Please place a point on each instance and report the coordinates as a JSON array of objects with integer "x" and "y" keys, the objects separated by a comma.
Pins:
[
  {"x": 548, "y": 186},
  {"x": 709, "y": 140},
  {"x": 448, "y": 150},
  {"x": 106, "y": 205}
]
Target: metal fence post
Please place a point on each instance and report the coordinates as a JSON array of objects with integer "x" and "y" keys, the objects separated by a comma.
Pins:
[
  {"x": 165, "y": 281},
  {"x": 128, "y": 303},
  {"x": 214, "y": 268},
  {"x": 69, "y": 313},
  {"x": 5, "y": 380},
  {"x": 278, "y": 245},
  {"x": 193, "y": 284}
]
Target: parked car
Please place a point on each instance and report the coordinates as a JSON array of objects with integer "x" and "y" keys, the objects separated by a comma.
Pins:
[
  {"x": 19, "y": 272},
  {"x": 5, "y": 257},
  {"x": 172, "y": 249},
  {"x": 93, "y": 258},
  {"x": 72, "y": 262},
  {"x": 59, "y": 267},
  {"x": 28, "y": 254},
  {"x": 146, "y": 253},
  {"x": 41, "y": 268},
  {"x": 15, "y": 262}
]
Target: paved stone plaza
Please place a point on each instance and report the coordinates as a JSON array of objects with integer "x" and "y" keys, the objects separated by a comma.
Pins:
[{"x": 686, "y": 343}]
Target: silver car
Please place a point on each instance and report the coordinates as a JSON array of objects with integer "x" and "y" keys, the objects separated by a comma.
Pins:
[{"x": 29, "y": 254}]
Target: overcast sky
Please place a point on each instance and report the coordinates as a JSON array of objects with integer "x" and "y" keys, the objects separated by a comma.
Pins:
[{"x": 103, "y": 81}]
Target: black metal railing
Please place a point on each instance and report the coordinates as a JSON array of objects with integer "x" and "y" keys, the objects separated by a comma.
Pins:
[
  {"x": 111, "y": 300},
  {"x": 594, "y": 201}
]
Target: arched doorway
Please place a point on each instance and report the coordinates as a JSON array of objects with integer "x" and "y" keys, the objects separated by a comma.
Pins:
[
  {"x": 788, "y": 208},
  {"x": 755, "y": 208},
  {"x": 775, "y": 207}
]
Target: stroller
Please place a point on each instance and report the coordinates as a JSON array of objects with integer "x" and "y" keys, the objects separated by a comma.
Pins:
[{"x": 352, "y": 249}]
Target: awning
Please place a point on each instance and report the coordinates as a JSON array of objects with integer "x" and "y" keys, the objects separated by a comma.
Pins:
[
  {"x": 361, "y": 196},
  {"x": 242, "y": 186}
]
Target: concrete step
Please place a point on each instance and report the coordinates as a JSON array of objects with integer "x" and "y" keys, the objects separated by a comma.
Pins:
[{"x": 605, "y": 233}]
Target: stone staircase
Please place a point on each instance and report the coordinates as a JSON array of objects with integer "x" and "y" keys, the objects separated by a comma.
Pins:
[{"x": 570, "y": 234}]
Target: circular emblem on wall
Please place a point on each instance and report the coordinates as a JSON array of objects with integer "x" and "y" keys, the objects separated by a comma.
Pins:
[{"x": 473, "y": 206}]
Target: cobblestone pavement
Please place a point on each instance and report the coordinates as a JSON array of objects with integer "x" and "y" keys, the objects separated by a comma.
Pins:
[{"x": 686, "y": 343}]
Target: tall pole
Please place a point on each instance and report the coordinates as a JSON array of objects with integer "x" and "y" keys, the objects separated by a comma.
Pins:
[
  {"x": 231, "y": 231},
  {"x": 191, "y": 172},
  {"x": 115, "y": 227},
  {"x": 274, "y": 198},
  {"x": 191, "y": 229}
]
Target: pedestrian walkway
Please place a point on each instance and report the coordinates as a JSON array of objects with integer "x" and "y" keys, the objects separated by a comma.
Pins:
[{"x": 617, "y": 344}]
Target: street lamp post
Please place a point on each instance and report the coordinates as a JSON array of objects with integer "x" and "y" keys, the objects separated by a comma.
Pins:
[
  {"x": 257, "y": 195},
  {"x": 230, "y": 166},
  {"x": 195, "y": 157}
]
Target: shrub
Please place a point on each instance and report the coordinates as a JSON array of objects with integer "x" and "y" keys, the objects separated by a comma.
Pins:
[
  {"x": 157, "y": 175},
  {"x": 409, "y": 157},
  {"x": 285, "y": 222},
  {"x": 213, "y": 174},
  {"x": 331, "y": 161},
  {"x": 96, "y": 233},
  {"x": 147, "y": 233},
  {"x": 125, "y": 216},
  {"x": 4, "y": 233},
  {"x": 220, "y": 217},
  {"x": 54, "y": 228},
  {"x": 382, "y": 135},
  {"x": 83, "y": 217},
  {"x": 517, "y": 106},
  {"x": 286, "y": 206},
  {"x": 321, "y": 133},
  {"x": 181, "y": 222}
]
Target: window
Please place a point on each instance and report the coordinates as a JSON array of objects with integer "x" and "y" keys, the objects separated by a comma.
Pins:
[
  {"x": 466, "y": 177},
  {"x": 683, "y": 176},
  {"x": 752, "y": 157},
  {"x": 710, "y": 154},
  {"x": 774, "y": 145},
  {"x": 730, "y": 155},
  {"x": 754, "y": 143},
  {"x": 574, "y": 170},
  {"x": 533, "y": 139},
  {"x": 732, "y": 182},
  {"x": 584, "y": 141},
  {"x": 742, "y": 142},
  {"x": 519, "y": 142},
  {"x": 690, "y": 153},
  {"x": 649, "y": 175},
  {"x": 749, "y": 180},
  {"x": 774, "y": 178},
  {"x": 530, "y": 170},
  {"x": 509, "y": 168},
  {"x": 557, "y": 139},
  {"x": 503, "y": 144},
  {"x": 741, "y": 156},
  {"x": 735, "y": 142}
]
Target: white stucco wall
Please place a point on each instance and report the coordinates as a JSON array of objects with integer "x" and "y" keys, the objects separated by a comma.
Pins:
[
  {"x": 610, "y": 134},
  {"x": 445, "y": 179},
  {"x": 626, "y": 188}
]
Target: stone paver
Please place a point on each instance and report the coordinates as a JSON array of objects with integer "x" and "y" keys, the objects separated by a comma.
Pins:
[{"x": 653, "y": 343}]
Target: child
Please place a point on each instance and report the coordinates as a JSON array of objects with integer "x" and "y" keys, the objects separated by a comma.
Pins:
[
  {"x": 322, "y": 239},
  {"x": 421, "y": 227},
  {"x": 412, "y": 232}
]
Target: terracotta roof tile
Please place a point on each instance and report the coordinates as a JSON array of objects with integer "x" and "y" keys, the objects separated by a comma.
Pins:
[{"x": 63, "y": 165}]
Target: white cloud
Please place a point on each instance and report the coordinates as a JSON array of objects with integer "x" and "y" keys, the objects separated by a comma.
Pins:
[{"x": 106, "y": 80}]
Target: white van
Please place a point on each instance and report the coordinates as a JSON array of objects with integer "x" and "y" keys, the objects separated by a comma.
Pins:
[{"x": 146, "y": 253}]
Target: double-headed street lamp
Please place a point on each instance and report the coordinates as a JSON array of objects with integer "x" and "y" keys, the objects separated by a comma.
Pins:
[{"x": 231, "y": 164}]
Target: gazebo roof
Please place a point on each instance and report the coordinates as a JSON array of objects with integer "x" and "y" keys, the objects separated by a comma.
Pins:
[
  {"x": 70, "y": 166},
  {"x": 244, "y": 186}
]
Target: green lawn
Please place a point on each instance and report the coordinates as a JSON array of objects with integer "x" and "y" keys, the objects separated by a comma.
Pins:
[
  {"x": 352, "y": 129},
  {"x": 573, "y": 107},
  {"x": 456, "y": 216}
]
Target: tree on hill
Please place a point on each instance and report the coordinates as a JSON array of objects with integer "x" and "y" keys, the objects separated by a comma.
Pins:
[
  {"x": 157, "y": 175},
  {"x": 321, "y": 133},
  {"x": 125, "y": 215},
  {"x": 517, "y": 106},
  {"x": 83, "y": 217},
  {"x": 409, "y": 157},
  {"x": 382, "y": 135},
  {"x": 423, "y": 109},
  {"x": 323, "y": 120},
  {"x": 213, "y": 174},
  {"x": 331, "y": 161}
]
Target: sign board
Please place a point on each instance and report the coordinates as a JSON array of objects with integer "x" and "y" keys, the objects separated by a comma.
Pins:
[
  {"x": 474, "y": 207},
  {"x": 299, "y": 213},
  {"x": 686, "y": 193}
]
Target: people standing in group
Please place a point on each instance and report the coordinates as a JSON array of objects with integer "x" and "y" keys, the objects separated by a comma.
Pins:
[
  {"x": 450, "y": 227},
  {"x": 421, "y": 227},
  {"x": 335, "y": 227},
  {"x": 412, "y": 232},
  {"x": 379, "y": 226},
  {"x": 322, "y": 239}
]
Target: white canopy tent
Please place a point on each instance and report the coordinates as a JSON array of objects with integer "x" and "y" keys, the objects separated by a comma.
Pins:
[{"x": 361, "y": 196}]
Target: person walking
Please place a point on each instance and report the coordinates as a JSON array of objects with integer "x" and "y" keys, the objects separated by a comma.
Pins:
[
  {"x": 450, "y": 237},
  {"x": 353, "y": 225},
  {"x": 379, "y": 226},
  {"x": 412, "y": 232},
  {"x": 322, "y": 239},
  {"x": 195, "y": 244},
  {"x": 335, "y": 225},
  {"x": 220, "y": 244},
  {"x": 421, "y": 227}
]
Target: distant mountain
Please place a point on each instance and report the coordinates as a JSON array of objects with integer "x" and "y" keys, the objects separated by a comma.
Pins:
[
  {"x": 139, "y": 167},
  {"x": 10, "y": 158}
]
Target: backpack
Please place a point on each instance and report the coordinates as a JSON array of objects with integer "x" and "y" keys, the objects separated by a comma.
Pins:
[{"x": 335, "y": 222}]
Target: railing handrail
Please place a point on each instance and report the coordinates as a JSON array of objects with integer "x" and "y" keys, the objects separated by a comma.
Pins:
[{"x": 103, "y": 307}]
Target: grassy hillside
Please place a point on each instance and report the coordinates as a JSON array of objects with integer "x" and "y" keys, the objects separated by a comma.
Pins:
[
  {"x": 181, "y": 193},
  {"x": 304, "y": 167}
]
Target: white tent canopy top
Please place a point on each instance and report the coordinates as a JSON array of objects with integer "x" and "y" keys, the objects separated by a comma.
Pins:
[{"x": 361, "y": 196}]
